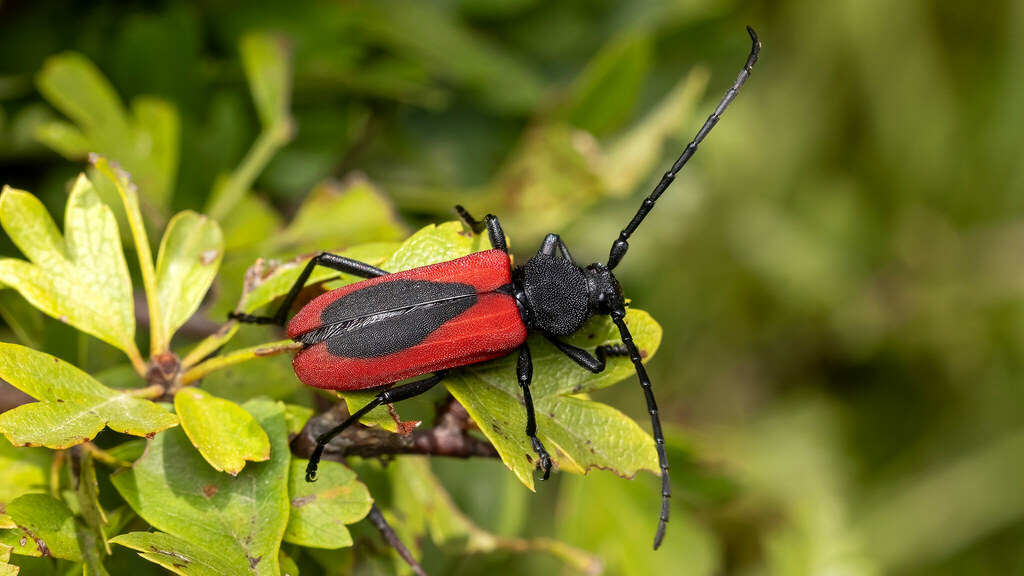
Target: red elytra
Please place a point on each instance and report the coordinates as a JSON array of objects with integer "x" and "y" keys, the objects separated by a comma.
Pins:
[{"x": 492, "y": 327}]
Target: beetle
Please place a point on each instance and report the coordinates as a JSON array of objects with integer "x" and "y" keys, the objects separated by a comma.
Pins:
[{"x": 428, "y": 320}]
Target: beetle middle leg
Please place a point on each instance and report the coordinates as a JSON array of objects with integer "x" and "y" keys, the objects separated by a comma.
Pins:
[
  {"x": 490, "y": 223},
  {"x": 389, "y": 396},
  {"x": 325, "y": 259},
  {"x": 524, "y": 372}
]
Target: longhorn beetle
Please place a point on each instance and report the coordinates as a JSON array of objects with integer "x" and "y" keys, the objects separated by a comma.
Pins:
[{"x": 428, "y": 320}]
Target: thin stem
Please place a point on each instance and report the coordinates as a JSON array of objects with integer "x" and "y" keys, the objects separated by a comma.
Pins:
[
  {"x": 227, "y": 195},
  {"x": 237, "y": 357}
]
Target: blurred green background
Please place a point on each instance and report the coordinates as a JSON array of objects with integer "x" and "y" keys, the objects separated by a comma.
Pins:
[{"x": 836, "y": 271}]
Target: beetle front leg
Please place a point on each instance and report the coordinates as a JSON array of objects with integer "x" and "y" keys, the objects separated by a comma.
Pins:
[
  {"x": 325, "y": 259},
  {"x": 524, "y": 372},
  {"x": 410, "y": 390},
  {"x": 588, "y": 361},
  {"x": 554, "y": 242}
]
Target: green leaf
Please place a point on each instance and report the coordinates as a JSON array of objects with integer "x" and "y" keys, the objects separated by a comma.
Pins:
[
  {"x": 288, "y": 565},
  {"x": 321, "y": 509},
  {"x": 340, "y": 215},
  {"x": 453, "y": 51},
  {"x": 81, "y": 278},
  {"x": 242, "y": 517},
  {"x": 266, "y": 60},
  {"x": 130, "y": 197},
  {"x": 603, "y": 96},
  {"x": 22, "y": 318},
  {"x": 435, "y": 243},
  {"x": 265, "y": 282},
  {"x": 384, "y": 416},
  {"x": 24, "y": 470},
  {"x": 46, "y": 527},
  {"x": 251, "y": 223},
  {"x": 190, "y": 255},
  {"x": 63, "y": 138},
  {"x": 73, "y": 406},
  {"x": 5, "y": 556},
  {"x": 549, "y": 179},
  {"x": 225, "y": 434},
  {"x": 586, "y": 434},
  {"x": 178, "y": 555},
  {"x": 297, "y": 416},
  {"x": 145, "y": 142}
]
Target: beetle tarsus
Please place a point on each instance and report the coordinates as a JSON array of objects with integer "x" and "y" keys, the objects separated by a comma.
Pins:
[
  {"x": 542, "y": 454},
  {"x": 314, "y": 463}
]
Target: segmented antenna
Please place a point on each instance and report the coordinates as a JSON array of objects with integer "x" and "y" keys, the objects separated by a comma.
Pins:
[{"x": 621, "y": 245}]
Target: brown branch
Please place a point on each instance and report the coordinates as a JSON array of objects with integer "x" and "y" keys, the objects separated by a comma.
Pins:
[{"x": 449, "y": 437}]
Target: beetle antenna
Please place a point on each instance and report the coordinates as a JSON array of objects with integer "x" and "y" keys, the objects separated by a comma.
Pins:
[
  {"x": 618, "y": 317},
  {"x": 621, "y": 244}
]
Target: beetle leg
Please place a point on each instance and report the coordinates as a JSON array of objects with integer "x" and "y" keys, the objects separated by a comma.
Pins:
[
  {"x": 585, "y": 359},
  {"x": 398, "y": 394},
  {"x": 325, "y": 259},
  {"x": 553, "y": 242},
  {"x": 618, "y": 317},
  {"x": 524, "y": 372},
  {"x": 490, "y": 223}
]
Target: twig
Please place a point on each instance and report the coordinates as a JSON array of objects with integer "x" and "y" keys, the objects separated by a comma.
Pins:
[
  {"x": 377, "y": 519},
  {"x": 447, "y": 438}
]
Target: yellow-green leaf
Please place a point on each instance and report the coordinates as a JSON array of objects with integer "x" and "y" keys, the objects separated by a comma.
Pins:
[
  {"x": 46, "y": 527},
  {"x": 266, "y": 59},
  {"x": 24, "y": 470},
  {"x": 81, "y": 278},
  {"x": 340, "y": 215},
  {"x": 190, "y": 256},
  {"x": 226, "y": 435},
  {"x": 242, "y": 517},
  {"x": 73, "y": 407},
  {"x": 321, "y": 509},
  {"x": 178, "y": 555},
  {"x": 5, "y": 556},
  {"x": 130, "y": 197},
  {"x": 585, "y": 433},
  {"x": 603, "y": 96}
]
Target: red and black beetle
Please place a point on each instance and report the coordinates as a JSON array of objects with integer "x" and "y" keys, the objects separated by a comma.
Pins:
[{"x": 428, "y": 320}]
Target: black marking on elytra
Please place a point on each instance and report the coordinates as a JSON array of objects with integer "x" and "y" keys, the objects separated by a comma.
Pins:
[{"x": 389, "y": 317}]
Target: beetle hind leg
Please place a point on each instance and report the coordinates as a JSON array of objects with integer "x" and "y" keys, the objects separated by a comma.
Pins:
[{"x": 405, "y": 392}]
